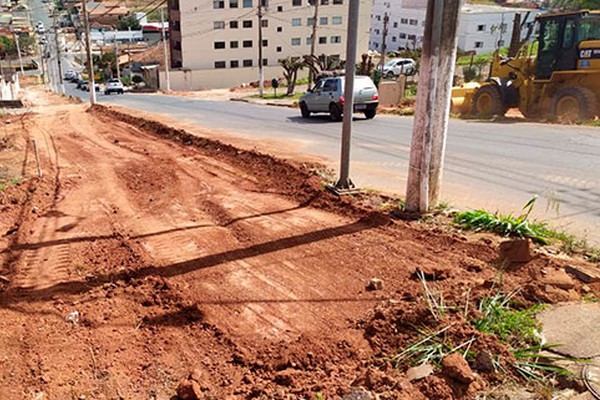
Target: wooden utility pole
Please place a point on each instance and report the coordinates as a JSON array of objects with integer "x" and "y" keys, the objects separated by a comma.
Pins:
[
  {"x": 313, "y": 40},
  {"x": 386, "y": 20},
  {"x": 88, "y": 50},
  {"x": 117, "y": 55},
  {"x": 261, "y": 71},
  {"x": 16, "y": 39},
  {"x": 432, "y": 105},
  {"x": 165, "y": 52},
  {"x": 345, "y": 183},
  {"x": 58, "y": 57}
]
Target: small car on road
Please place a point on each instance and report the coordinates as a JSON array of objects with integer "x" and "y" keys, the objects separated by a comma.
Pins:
[
  {"x": 399, "y": 66},
  {"x": 327, "y": 96},
  {"x": 113, "y": 86}
]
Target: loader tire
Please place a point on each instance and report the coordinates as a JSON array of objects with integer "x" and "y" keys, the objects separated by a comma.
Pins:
[
  {"x": 487, "y": 102},
  {"x": 574, "y": 104}
]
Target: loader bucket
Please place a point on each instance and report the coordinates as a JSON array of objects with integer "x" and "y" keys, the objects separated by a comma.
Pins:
[{"x": 461, "y": 98}]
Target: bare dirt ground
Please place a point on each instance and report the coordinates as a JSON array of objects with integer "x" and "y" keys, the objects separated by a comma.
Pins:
[{"x": 181, "y": 254}]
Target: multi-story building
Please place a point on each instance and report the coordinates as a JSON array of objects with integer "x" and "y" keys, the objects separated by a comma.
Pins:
[
  {"x": 482, "y": 28},
  {"x": 215, "y": 43}
]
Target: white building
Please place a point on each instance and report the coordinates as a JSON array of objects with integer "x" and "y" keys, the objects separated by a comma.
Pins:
[
  {"x": 482, "y": 28},
  {"x": 215, "y": 43}
]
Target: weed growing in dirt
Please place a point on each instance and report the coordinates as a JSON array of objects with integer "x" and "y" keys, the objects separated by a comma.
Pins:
[
  {"x": 506, "y": 225},
  {"x": 515, "y": 327},
  {"x": 8, "y": 183}
]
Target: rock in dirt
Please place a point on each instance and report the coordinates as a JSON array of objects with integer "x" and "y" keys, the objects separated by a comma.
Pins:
[
  {"x": 515, "y": 251},
  {"x": 358, "y": 394},
  {"x": 456, "y": 367},
  {"x": 484, "y": 362},
  {"x": 189, "y": 390},
  {"x": 287, "y": 377},
  {"x": 558, "y": 278},
  {"x": 585, "y": 274},
  {"x": 420, "y": 372},
  {"x": 375, "y": 284}
]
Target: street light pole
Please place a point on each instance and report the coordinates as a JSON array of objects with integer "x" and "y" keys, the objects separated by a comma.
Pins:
[
  {"x": 165, "y": 52},
  {"x": 88, "y": 48},
  {"x": 261, "y": 71},
  {"x": 344, "y": 183}
]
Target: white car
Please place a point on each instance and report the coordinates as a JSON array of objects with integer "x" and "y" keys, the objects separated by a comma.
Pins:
[
  {"x": 113, "y": 86},
  {"x": 399, "y": 66}
]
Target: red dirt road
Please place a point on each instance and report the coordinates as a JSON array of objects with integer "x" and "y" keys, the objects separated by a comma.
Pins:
[{"x": 183, "y": 257}]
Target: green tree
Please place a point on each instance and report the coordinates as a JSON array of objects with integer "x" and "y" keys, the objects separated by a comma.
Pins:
[
  {"x": 574, "y": 5},
  {"x": 130, "y": 22},
  {"x": 291, "y": 66}
]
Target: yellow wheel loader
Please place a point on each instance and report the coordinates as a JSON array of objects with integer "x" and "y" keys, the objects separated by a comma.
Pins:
[{"x": 557, "y": 76}]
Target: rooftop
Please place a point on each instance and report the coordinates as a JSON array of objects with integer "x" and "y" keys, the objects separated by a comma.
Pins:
[{"x": 492, "y": 9}]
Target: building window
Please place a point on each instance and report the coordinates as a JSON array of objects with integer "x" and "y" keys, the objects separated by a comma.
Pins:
[
  {"x": 393, "y": 38},
  {"x": 395, "y": 24},
  {"x": 233, "y": 24},
  {"x": 478, "y": 45},
  {"x": 234, "y": 64},
  {"x": 296, "y": 3},
  {"x": 338, "y": 2},
  {"x": 219, "y": 45},
  {"x": 336, "y": 20},
  {"x": 335, "y": 39},
  {"x": 402, "y": 36},
  {"x": 247, "y": 24},
  {"x": 265, "y": 62},
  {"x": 219, "y": 24},
  {"x": 279, "y": 8},
  {"x": 324, "y": 2},
  {"x": 279, "y": 49},
  {"x": 264, "y": 23},
  {"x": 323, "y": 40},
  {"x": 247, "y": 3},
  {"x": 247, "y": 43},
  {"x": 296, "y": 21},
  {"x": 412, "y": 37},
  {"x": 219, "y": 4},
  {"x": 309, "y": 40},
  {"x": 414, "y": 22},
  {"x": 264, "y": 3},
  {"x": 404, "y": 21},
  {"x": 265, "y": 43},
  {"x": 234, "y": 44},
  {"x": 323, "y": 21},
  {"x": 295, "y": 41},
  {"x": 233, "y": 4},
  {"x": 279, "y": 29},
  {"x": 310, "y": 21},
  {"x": 247, "y": 63},
  {"x": 220, "y": 64},
  {"x": 481, "y": 28}
]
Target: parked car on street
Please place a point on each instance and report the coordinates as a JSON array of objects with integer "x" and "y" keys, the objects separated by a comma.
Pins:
[
  {"x": 113, "y": 86},
  {"x": 86, "y": 86},
  {"x": 80, "y": 83},
  {"x": 328, "y": 97},
  {"x": 69, "y": 75},
  {"x": 399, "y": 66}
]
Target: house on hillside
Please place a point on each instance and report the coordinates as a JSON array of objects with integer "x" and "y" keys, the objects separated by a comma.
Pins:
[
  {"x": 105, "y": 14},
  {"x": 482, "y": 28}
]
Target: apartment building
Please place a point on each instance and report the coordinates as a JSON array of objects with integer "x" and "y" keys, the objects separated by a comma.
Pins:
[
  {"x": 482, "y": 28},
  {"x": 215, "y": 43}
]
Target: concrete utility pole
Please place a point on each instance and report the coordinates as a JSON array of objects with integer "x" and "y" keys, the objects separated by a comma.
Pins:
[
  {"x": 433, "y": 105},
  {"x": 344, "y": 183},
  {"x": 313, "y": 40},
  {"x": 88, "y": 50},
  {"x": 16, "y": 39},
  {"x": 261, "y": 71},
  {"x": 165, "y": 51},
  {"x": 117, "y": 55},
  {"x": 58, "y": 57},
  {"x": 386, "y": 20}
]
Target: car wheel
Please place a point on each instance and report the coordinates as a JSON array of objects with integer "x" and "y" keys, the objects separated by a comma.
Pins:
[
  {"x": 370, "y": 114},
  {"x": 107, "y": 92},
  {"x": 335, "y": 112},
  {"x": 304, "y": 110},
  {"x": 390, "y": 75}
]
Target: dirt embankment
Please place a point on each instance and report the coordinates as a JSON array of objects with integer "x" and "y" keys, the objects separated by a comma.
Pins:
[{"x": 170, "y": 253}]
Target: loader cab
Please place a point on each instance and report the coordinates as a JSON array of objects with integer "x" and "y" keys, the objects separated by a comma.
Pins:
[{"x": 560, "y": 39}]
